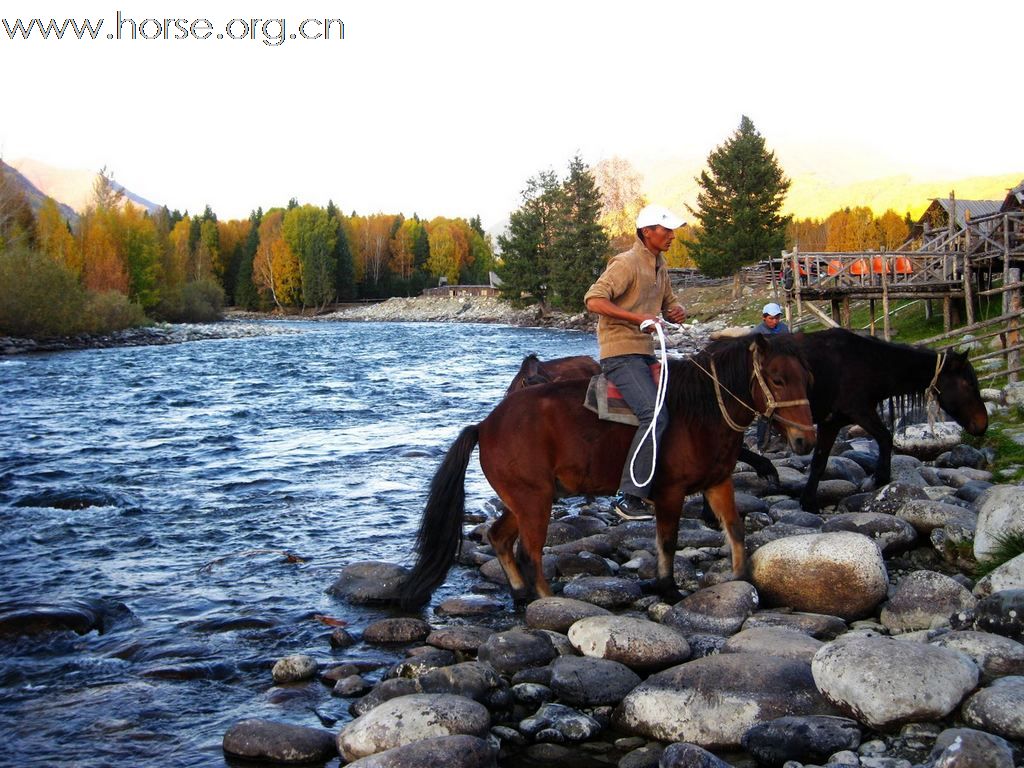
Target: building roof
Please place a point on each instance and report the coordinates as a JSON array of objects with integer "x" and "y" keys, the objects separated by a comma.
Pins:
[
  {"x": 1014, "y": 199},
  {"x": 977, "y": 208}
]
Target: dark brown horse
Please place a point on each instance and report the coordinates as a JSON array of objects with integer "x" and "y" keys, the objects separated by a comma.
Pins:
[
  {"x": 541, "y": 442},
  {"x": 534, "y": 371},
  {"x": 854, "y": 374}
]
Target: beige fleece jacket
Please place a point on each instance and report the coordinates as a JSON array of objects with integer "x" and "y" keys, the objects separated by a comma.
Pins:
[{"x": 637, "y": 281}]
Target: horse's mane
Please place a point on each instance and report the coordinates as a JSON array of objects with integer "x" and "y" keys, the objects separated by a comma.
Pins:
[{"x": 691, "y": 392}]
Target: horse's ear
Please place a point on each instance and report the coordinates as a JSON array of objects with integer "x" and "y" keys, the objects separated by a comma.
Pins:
[{"x": 760, "y": 343}]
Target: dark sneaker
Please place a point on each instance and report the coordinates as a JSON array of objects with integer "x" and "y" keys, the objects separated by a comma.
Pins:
[{"x": 630, "y": 507}]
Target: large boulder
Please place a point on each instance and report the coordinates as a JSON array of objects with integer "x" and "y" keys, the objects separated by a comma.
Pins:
[
  {"x": 589, "y": 682},
  {"x": 714, "y": 700},
  {"x": 463, "y": 751},
  {"x": 1000, "y": 511},
  {"x": 890, "y": 534},
  {"x": 840, "y": 574},
  {"x": 510, "y": 651},
  {"x": 717, "y": 610},
  {"x": 995, "y": 655},
  {"x": 560, "y": 613},
  {"x": 1009, "y": 575},
  {"x": 925, "y": 600},
  {"x": 281, "y": 743},
  {"x": 637, "y": 643},
  {"x": 999, "y": 708},
  {"x": 884, "y": 682},
  {"x": 808, "y": 739},
  {"x": 370, "y": 582},
  {"x": 406, "y": 719}
]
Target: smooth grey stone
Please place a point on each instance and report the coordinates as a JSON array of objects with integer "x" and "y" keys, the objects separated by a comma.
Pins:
[
  {"x": 589, "y": 682},
  {"x": 279, "y": 742},
  {"x": 808, "y": 739},
  {"x": 516, "y": 649}
]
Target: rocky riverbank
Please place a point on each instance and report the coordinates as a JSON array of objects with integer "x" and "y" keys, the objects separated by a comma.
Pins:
[
  {"x": 862, "y": 638},
  {"x": 238, "y": 324}
]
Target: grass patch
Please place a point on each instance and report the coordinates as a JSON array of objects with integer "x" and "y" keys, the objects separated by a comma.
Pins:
[
  {"x": 1003, "y": 427},
  {"x": 1008, "y": 546}
]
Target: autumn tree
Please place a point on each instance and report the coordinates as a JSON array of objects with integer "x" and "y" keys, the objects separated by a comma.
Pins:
[
  {"x": 16, "y": 220},
  {"x": 311, "y": 235},
  {"x": 140, "y": 253},
  {"x": 739, "y": 204},
  {"x": 449, "y": 247},
  {"x": 622, "y": 198},
  {"x": 807, "y": 234},
  {"x": 403, "y": 243},
  {"x": 375, "y": 249},
  {"x": 54, "y": 237},
  {"x": 678, "y": 254},
  {"x": 892, "y": 230},
  {"x": 275, "y": 270}
]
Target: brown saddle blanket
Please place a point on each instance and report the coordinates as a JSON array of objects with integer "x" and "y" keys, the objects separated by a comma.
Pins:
[{"x": 604, "y": 399}]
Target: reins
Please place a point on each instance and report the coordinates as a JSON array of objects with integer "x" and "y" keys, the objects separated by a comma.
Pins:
[
  {"x": 659, "y": 403},
  {"x": 931, "y": 394},
  {"x": 771, "y": 403}
]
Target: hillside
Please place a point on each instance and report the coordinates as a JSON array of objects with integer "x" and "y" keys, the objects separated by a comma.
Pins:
[
  {"x": 33, "y": 194},
  {"x": 72, "y": 186}
]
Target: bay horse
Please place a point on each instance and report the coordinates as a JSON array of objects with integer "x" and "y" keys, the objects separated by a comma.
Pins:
[
  {"x": 541, "y": 442},
  {"x": 854, "y": 374},
  {"x": 534, "y": 371}
]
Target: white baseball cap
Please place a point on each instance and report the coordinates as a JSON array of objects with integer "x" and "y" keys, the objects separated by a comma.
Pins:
[
  {"x": 771, "y": 309},
  {"x": 651, "y": 215}
]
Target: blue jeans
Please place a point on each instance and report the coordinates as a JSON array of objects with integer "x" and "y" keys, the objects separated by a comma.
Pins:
[{"x": 632, "y": 375}]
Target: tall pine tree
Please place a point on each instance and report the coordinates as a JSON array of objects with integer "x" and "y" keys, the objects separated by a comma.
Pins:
[
  {"x": 739, "y": 204},
  {"x": 527, "y": 246},
  {"x": 581, "y": 243}
]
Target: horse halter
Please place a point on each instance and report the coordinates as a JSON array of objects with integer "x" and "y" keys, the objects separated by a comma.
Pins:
[
  {"x": 771, "y": 403},
  {"x": 769, "y": 398}
]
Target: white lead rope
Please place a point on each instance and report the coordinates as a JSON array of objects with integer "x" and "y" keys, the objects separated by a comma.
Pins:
[{"x": 659, "y": 402}]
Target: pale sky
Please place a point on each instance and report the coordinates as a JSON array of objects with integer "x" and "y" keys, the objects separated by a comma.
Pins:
[{"x": 447, "y": 108}]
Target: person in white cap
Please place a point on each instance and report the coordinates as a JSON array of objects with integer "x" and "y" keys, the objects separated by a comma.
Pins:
[
  {"x": 634, "y": 288},
  {"x": 771, "y": 320},
  {"x": 771, "y": 323}
]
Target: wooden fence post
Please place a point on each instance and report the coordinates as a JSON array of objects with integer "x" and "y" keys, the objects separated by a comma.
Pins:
[{"x": 1013, "y": 335}]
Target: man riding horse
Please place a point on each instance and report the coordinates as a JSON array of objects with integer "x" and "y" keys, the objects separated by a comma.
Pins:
[{"x": 628, "y": 297}]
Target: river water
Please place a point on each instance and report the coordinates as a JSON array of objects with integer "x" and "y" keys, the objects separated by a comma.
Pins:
[{"x": 159, "y": 490}]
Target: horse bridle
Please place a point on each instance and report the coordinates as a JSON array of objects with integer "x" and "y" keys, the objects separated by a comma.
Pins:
[{"x": 770, "y": 402}]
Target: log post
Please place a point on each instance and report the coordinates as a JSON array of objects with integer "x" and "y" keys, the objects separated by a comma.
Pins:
[
  {"x": 886, "y": 333},
  {"x": 1013, "y": 335}
]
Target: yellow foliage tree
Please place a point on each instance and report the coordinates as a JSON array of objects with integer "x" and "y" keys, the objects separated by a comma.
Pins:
[
  {"x": 620, "y": 185},
  {"x": 402, "y": 248},
  {"x": 892, "y": 230},
  {"x": 275, "y": 269},
  {"x": 678, "y": 254},
  {"x": 449, "y": 247},
  {"x": 177, "y": 256},
  {"x": 102, "y": 268},
  {"x": 55, "y": 239}
]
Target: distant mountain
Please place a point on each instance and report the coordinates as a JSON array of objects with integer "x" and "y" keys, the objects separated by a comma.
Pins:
[
  {"x": 72, "y": 186},
  {"x": 33, "y": 194}
]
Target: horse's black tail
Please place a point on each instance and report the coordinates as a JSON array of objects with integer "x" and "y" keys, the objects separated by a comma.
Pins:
[{"x": 440, "y": 534}]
